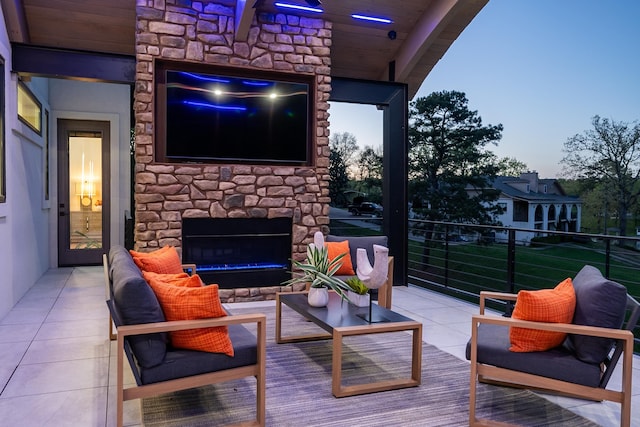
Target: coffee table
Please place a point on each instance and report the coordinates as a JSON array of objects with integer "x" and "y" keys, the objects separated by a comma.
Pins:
[{"x": 341, "y": 320}]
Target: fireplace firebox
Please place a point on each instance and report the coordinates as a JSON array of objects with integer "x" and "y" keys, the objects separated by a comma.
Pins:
[{"x": 238, "y": 252}]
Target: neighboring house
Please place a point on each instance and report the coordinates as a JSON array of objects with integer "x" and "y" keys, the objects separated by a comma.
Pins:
[{"x": 533, "y": 203}]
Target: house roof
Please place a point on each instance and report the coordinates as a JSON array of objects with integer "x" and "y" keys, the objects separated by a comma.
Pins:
[
  {"x": 421, "y": 32},
  {"x": 507, "y": 186}
]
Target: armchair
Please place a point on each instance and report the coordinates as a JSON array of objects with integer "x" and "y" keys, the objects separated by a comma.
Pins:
[
  {"x": 157, "y": 367},
  {"x": 565, "y": 370}
]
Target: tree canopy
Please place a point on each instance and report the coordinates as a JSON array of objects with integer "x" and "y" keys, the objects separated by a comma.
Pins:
[
  {"x": 450, "y": 169},
  {"x": 608, "y": 157},
  {"x": 341, "y": 148},
  {"x": 353, "y": 169}
]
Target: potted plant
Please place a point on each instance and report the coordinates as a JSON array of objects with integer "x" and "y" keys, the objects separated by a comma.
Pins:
[
  {"x": 317, "y": 271},
  {"x": 358, "y": 293}
]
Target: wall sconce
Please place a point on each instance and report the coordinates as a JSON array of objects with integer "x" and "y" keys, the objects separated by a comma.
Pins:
[{"x": 85, "y": 189}]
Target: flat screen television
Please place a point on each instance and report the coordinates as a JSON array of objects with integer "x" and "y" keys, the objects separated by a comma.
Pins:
[{"x": 215, "y": 114}]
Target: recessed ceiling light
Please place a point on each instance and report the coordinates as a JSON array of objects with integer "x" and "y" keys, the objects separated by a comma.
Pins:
[
  {"x": 298, "y": 7},
  {"x": 371, "y": 18}
]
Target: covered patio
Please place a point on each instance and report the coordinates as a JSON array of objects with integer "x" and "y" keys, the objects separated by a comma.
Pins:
[{"x": 59, "y": 365}]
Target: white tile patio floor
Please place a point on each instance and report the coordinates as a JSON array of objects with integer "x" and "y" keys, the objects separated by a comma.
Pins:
[{"x": 57, "y": 365}]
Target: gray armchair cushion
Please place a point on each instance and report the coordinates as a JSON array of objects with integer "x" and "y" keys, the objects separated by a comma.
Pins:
[
  {"x": 180, "y": 363},
  {"x": 599, "y": 302},
  {"x": 559, "y": 363},
  {"x": 137, "y": 304},
  {"x": 365, "y": 242}
]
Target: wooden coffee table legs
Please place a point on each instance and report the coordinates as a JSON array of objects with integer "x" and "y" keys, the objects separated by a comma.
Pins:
[
  {"x": 414, "y": 380},
  {"x": 333, "y": 328}
]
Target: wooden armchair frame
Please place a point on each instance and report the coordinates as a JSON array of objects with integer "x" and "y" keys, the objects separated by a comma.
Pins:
[
  {"x": 257, "y": 370},
  {"x": 500, "y": 376}
]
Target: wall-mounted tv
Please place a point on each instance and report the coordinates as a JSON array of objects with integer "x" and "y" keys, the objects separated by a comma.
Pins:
[{"x": 226, "y": 115}]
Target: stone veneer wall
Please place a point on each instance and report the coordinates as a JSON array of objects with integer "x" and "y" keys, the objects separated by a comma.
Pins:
[{"x": 165, "y": 193}]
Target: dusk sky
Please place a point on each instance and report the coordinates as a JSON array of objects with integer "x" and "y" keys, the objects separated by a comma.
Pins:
[{"x": 541, "y": 68}]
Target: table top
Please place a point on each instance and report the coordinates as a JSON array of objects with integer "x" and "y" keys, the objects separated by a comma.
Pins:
[{"x": 340, "y": 313}]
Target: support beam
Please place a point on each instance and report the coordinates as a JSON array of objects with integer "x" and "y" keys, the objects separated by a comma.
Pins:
[
  {"x": 90, "y": 66},
  {"x": 15, "y": 21},
  {"x": 244, "y": 16},
  {"x": 425, "y": 33},
  {"x": 392, "y": 99},
  {"x": 435, "y": 19}
]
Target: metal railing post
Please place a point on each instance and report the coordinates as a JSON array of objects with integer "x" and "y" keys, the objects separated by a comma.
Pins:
[
  {"x": 607, "y": 260},
  {"x": 446, "y": 255},
  {"x": 511, "y": 268}
]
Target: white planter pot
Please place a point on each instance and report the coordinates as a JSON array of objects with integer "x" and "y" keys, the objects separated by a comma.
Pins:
[
  {"x": 318, "y": 297},
  {"x": 357, "y": 299}
]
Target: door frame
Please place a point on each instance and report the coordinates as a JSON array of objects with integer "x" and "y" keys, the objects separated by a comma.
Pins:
[{"x": 67, "y": 257}]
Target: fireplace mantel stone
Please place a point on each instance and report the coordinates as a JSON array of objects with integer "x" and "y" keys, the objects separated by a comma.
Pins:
[{"x": 167, "y": 193}]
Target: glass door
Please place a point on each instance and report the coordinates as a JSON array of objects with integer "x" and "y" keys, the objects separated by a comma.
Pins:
[{"x": 83, "y": 225}]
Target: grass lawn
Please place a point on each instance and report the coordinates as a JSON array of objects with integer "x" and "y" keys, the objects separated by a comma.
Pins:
[{"x": 474, "y": 267}]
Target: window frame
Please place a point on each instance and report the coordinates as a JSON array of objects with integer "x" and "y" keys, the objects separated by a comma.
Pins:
[
  {"x": 34, "y": 104},
  {"x": 3, "y": 163}
]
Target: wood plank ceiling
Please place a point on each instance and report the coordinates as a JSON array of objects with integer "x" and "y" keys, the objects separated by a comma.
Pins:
[{"x": 424, "y": 30}]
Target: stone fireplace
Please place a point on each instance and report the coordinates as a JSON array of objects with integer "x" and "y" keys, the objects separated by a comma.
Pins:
[{"x": 170, "y": 195}]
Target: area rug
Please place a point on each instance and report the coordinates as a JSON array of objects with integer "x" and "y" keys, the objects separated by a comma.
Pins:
[{"x": 298, "y": 391}]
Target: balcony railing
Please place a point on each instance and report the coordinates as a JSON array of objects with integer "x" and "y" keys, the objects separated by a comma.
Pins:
[{"x": 463, "y": 259}]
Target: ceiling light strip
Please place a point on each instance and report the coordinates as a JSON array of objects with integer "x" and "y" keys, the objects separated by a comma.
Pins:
[
  {"x": 371, "y": 18},
  {"x": 298, "y": 7}
]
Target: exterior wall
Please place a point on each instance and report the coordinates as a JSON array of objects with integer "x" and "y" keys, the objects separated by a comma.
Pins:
[
  {"x": 166, "y": 193},
  {"x": 24, "y": 214},
  {"x": 28, "y": 222}
]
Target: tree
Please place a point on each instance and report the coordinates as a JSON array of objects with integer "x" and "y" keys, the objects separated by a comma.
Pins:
[
  {"x": 342, "y": 148},
  {"x": 447, "y": 159},
  {"x": 369, "y": 164},
  {"x": 510, "y": 166},
  {"x": 338, "y": 178},
  {"x": 345, "y": 145},
  {"x": 450, "y": 171},
  {"x": 369, "y": 177},
  {"x": 609, "y": 155}
]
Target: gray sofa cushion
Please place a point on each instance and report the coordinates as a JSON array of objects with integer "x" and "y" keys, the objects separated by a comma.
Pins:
[
  {"x": 181, "y": 363},
  {"x": 599, "y": 302},
  {"x": 365, "y": 242},
  {"x": 559, "y": 363},
  {"x": 137, "y": 304}
]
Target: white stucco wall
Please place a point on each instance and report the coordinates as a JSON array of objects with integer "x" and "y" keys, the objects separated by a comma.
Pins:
[
  {"x": 24, "y": 216},
  {"x": 28, "y": 222}
]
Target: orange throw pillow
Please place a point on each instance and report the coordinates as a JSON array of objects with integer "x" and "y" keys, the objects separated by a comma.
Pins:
[
  {"x": 546, "y": 305},
  {"x": 179, "y": 279},
  {"x": 334, "y": 249},
  {"x": 163, "y": 261},
  {"x": 187, "y": 303}
]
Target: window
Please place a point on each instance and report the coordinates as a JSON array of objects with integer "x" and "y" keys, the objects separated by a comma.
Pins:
[
  {"x": 520, "y": 211},
  {"x": 2, "y": 153},
  {"x": 29, "y": 109},
  {"x": 46, "y": 155}
]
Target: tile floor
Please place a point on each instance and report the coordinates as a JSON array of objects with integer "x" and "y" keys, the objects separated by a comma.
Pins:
[{"x": 57, "y": 365}]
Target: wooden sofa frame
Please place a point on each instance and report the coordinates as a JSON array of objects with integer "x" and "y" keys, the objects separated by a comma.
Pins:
[
  {"x": 500, "y": 376},
  {"x": 140, "y": 391}
]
